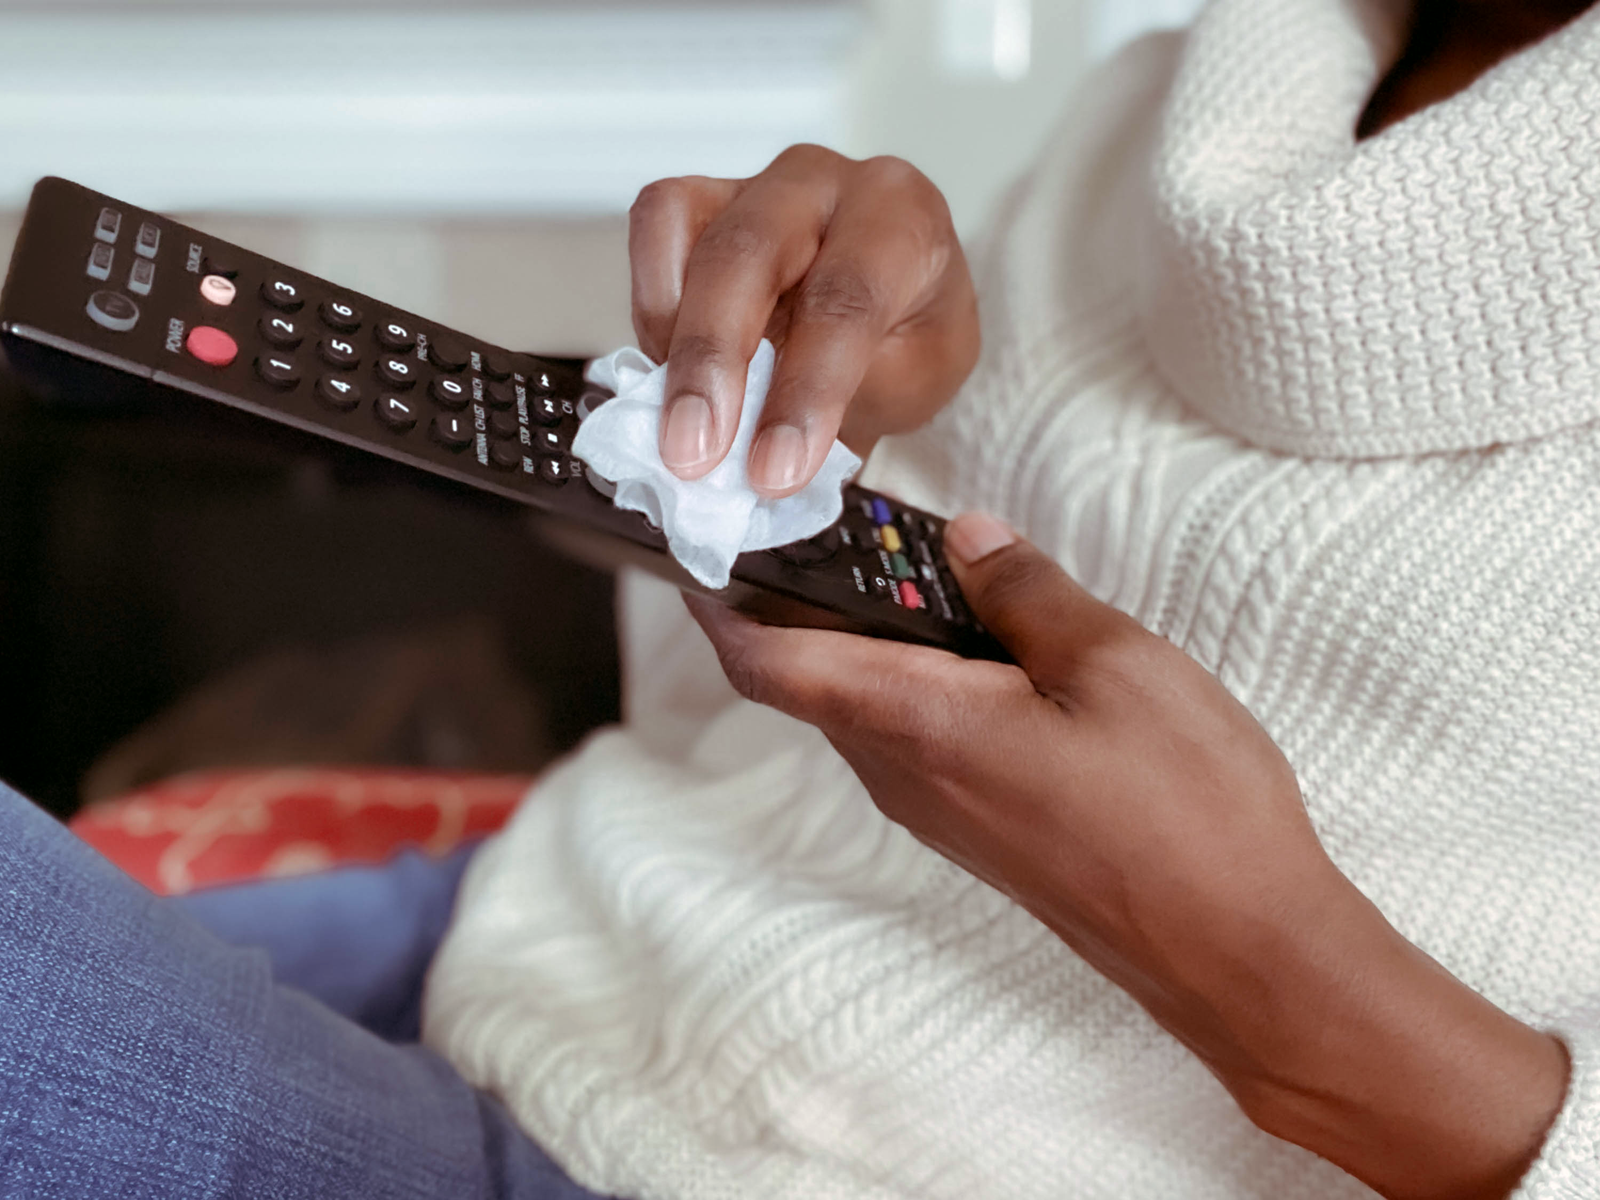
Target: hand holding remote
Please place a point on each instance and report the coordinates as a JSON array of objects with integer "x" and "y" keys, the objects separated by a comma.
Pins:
[
  {"x": 852, "y": 268},
  {"x": 1115, "y": 789}
]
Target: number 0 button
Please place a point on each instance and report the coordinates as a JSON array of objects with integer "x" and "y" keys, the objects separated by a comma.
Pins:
[
  {"x": 448, "y": 393},
  {"x": 279, "y": 371},
  {"x": 398, "y": 372},
  {"x": 337, "y": 393},
  {"x": 280, "y": 293}
]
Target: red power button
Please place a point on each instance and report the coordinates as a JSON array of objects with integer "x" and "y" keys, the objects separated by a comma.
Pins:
[{"x": 211, "y": 346}]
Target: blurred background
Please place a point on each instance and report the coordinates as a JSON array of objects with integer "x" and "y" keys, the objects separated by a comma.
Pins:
[{"x": 172, "y": 599}]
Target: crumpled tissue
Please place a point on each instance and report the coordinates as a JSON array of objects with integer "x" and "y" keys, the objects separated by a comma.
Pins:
[{"x": 708, "y": 521}]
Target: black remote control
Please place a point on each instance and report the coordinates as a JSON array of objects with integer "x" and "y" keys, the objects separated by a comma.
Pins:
[{"x": 100, "y": 292}]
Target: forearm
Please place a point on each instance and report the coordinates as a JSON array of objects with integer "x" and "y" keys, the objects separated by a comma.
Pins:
[{"x": 1380, "y": 1061}]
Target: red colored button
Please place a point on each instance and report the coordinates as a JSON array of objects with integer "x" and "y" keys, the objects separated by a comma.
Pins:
[
  {"x": 212, "y": 346},
  {"x": 909, "y": 596}
]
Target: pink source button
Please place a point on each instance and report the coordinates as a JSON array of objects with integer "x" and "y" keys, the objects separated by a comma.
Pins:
[{"x": 212, "y": 346}]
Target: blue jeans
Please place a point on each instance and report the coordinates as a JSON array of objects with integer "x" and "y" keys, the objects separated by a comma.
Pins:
[{"x": 143, "y": 1056}]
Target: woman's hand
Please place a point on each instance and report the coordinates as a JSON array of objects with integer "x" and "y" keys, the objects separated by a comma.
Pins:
[
  {"x": 852, "y": 268},
  {"x": 1116, "y": 790}
]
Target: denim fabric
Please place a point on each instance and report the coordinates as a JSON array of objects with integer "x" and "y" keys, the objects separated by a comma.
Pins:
[
  {"x": 140, "y": 1056},
  {"x": 357, "y": 938}
]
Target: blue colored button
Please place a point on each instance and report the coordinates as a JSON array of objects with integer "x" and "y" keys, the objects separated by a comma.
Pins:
[{"x": 881, "y": 513}]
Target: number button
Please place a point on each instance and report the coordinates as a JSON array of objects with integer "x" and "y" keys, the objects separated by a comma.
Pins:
[
  {"x": 340, "y": 315},
  {"x": 396, "y": 413},
  {"x": 338, "y": 352},
  {"x": 399, "y": 373},
  {"x": 281, "y": 332},
  {"x": 452, "y": 430},
  {"x": 338, "y": 393},
  {"x": 279, "y": 371},
  {"x": 448, "y": 393},
  {"x": 282, "y": 294},
  {"x": 396, "y": 336}
]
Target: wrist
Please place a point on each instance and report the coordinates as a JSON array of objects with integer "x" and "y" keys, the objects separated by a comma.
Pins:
[{"x": 1376, "y": 1058}]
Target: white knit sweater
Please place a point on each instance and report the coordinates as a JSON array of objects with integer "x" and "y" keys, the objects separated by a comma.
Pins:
[{"x": 1318, "y": 412}]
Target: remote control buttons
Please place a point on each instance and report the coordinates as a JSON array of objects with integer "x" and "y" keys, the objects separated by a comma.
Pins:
[
  {"x": 108, "y": 226},
  {"x": 338, "y": 393},
  {"x": 396, "y": 336},
  {"x": 891, "y": 538},
  {"x": 400, "y": 373},
  {"x": 909, "y": 596},
  {"x": 142, "y": 277},
  {"x": 447, "y": 354},
  {"x": 546, "y": 409},
  {"x": 395, "y": 412},
  {"x": 281, "y": 332},
  {"x": 500, "y": 395},
  {"x": 149, "y": 240},
  {"x": 555, "y": 470},
  {"x": 100, "y": 260},
  {"x": 812, "y": 552},
  {"x": 278, "y": 370},
  {"x": 282, "y": 294},
  {"x": 217, "y": 262},
  {"x": 211, "y": 346},
  {"x": 506, "y": 454},
  {"x": 504, "y": 424},
  {"x": 452, "y": 430},
  {"x": 339, "y": 352},
  {"x": 113, "y": 311},
  {"x": 549, "y": 441},
  {"x": 496, "y": 365},
  {"x": 448, "y": 393},
  {"x": 218, "y": 290},
  {"x": 340, "y": 315},
  {"x": 881, "y": 512}
]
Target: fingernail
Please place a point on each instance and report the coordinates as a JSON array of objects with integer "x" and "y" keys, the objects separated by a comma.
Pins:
[
  {"x": 686, "y": 432},
  {"x": 778, "y": 459},
  {"x": 973, "y": 536}
]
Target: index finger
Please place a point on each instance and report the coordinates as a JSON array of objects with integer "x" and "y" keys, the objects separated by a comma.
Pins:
[{"x": 756, "y": 249}]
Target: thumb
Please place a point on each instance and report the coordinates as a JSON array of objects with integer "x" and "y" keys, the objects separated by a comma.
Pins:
[{"x": 1044, "y": 619}]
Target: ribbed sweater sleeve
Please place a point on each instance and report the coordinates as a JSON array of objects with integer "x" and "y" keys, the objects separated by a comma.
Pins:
[{"x": 1568, "y": 1166}]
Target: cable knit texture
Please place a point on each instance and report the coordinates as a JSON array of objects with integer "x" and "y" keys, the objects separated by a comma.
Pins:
[{"x": 1315, "y": 411}]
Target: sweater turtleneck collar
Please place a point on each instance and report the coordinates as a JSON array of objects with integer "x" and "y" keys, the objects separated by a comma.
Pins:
[{"x": 1433, "y": 288}]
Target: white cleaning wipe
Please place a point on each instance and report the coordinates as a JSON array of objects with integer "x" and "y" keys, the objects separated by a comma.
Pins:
[{"x": 708, "y": 521}]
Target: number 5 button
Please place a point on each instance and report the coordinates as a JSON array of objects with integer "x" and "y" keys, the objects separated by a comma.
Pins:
[
  {"x": 397, "y": 372},
  {"x": 339, "y": 352}
]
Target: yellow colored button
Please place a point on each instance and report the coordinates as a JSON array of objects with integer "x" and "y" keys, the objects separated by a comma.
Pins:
[{"x": 891, "y": 538}]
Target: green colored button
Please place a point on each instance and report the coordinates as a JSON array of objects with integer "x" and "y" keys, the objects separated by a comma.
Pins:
[{"x": 902, "y": 568}]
